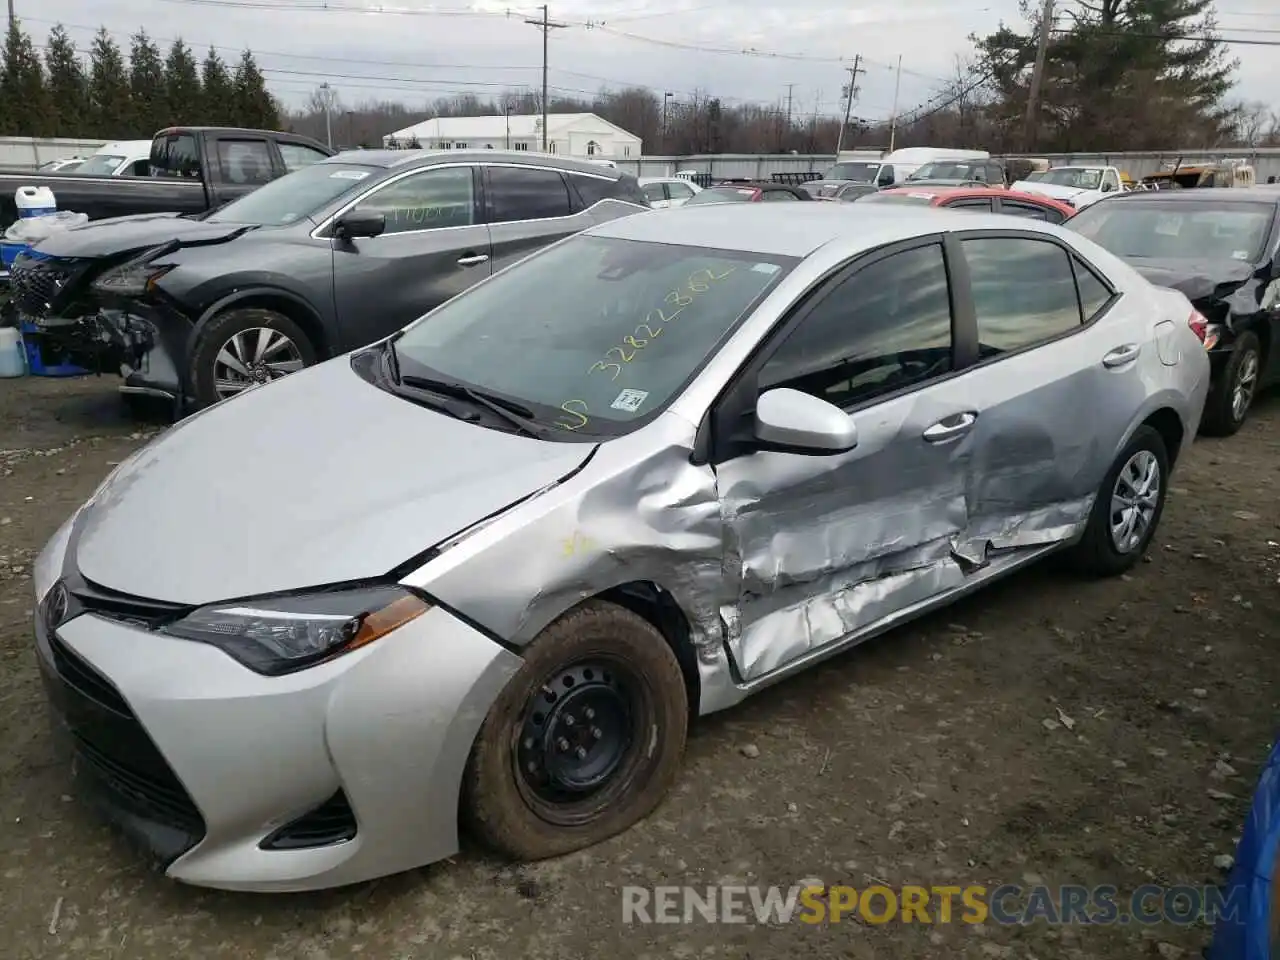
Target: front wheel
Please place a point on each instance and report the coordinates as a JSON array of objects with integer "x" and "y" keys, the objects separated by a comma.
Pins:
[
  {"x": 245, "y": 346},
  {"x": 1127, "y": 509},
  {"x": 1230, "y": 399},
  {"x": 583, "y": 742}
]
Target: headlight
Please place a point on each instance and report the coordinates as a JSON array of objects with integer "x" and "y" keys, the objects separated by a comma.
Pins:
[
  {"x": 131, "y": 279},
  {"x": 279, "y": 635}
]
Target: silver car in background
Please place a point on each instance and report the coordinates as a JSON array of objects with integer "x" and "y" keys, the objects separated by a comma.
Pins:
[{"x": 492, "y": 565}]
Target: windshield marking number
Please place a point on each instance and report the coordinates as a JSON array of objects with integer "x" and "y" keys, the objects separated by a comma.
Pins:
[{"x": 622, "y": 354}]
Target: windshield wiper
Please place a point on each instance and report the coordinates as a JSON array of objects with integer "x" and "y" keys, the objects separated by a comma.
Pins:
[{"x": 516, "y": 414}]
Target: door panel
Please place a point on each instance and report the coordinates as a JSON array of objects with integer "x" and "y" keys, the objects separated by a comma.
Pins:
[
  {"x": 528, "y": 208},
  {"x": 386, "y": 282},
  {"x": 820, "y": 546}
]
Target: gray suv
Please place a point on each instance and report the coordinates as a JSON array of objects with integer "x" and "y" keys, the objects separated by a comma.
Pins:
[{"x": 309, "y": 266}]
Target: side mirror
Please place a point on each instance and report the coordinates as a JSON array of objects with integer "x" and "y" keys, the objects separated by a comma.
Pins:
[
  {"x": 794, "y": 422},
  {"x": 359, "y": 223}
]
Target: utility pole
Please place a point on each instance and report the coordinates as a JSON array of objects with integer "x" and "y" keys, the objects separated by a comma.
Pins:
[
  {"x": 666, "y": 99},
  {"x": 12, "y": 16},
  {"x": 790, "y": 87},
  {"x": 326, "y": 92},
  {"x": 1037, "y": 76},
  {"x": 848, "y": 105},
  {"x": 893, "y": 123},
  {"x": 546, "y": 26}
]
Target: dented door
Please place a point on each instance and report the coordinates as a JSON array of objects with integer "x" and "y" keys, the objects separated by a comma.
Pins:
[{"x": 819, "y": 546}]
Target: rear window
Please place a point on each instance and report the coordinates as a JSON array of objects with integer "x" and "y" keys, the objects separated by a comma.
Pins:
[
  {"x": 725, "y": 195},
  {"x": 922, "y": 199},
  {"x": 1178, "y": 230}
]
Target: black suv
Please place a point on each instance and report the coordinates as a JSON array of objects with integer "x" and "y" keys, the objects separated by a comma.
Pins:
[{"x": 332, "y": 257}]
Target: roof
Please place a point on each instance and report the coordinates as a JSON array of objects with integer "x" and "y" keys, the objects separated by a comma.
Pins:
[
  {"x": 408, "y": 158},
  {"x": 1256, "y": 194},
  {"x": 795, "y": 229},
  {"x": 521, "y": 126},
  {"x": 939, "y": 191}
]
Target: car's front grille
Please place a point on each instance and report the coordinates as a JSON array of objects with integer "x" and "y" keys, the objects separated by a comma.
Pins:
[
  {"x": 161, "y": 799},
  {"x": 37, "y": 284},
  {"x": 331, "y": 822},
  {"x": 89, "y": 597}
]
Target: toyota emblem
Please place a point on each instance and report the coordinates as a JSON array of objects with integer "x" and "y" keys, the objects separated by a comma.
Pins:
[{"x": 55, "y": 609}]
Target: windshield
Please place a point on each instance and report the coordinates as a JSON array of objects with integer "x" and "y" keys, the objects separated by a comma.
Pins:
[
  {"x": 724, "y": 195},
  {"x": 1083, "y": 178},
  {"x": 101, "y": 164},
  {"x": 923, "y": 199},
  {"x": 947, "y": 170},
  {"x": 862, "y": 172},
  {"x": 594, "y": 334},
  {"x": 1186, "y": 230},
  {"x": 296, "y": 195}
]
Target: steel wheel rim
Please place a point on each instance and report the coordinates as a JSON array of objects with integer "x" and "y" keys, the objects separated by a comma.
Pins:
[
  {"x": 253, "y": 356},
  {"x": 574, "y": 749},
  {"x": 1134, "y": 499},
  {"x": 1245, "y": 383}
]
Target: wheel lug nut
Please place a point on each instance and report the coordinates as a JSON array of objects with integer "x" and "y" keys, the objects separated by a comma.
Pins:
[
  {"x": 581, "y": 753},
  {"x": 569, "y": 721},
  {"x": 563, "y": 744},
  {"x": 533, "y": 767},
  {"x": 595, "y": 733},
  {"x": 589, "y": 713},
  {"x": 528, "y": 743}
]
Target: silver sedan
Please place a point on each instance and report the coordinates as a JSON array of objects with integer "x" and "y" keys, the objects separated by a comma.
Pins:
[{"x": 492, "y": 566}]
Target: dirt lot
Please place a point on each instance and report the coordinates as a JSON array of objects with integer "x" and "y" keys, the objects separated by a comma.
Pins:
[{"x": 935, "y": 755}]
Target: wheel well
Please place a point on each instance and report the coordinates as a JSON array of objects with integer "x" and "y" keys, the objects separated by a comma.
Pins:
[
  {"x": 292, "y": 309},
  {"x": 648, "y": 600},
  {"x": 1169, "y": 425},
  {"x": 1263, "y": 332}
]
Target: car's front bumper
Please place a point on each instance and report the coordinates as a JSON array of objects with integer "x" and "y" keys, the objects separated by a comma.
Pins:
[{"x": 201, "y": 760}]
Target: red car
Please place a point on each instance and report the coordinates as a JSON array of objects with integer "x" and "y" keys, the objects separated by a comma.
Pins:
[{"x": 990, "y": 199}]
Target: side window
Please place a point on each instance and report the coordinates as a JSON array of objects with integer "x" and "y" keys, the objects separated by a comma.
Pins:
[
  {"x": 139, "y": 168},
  {"x": 296, "y": 156},
  {"x": 1110, "y": 181},
  {"x": 886, "y": 327},
  {"x": 1094, "y": 294},
  {"x": 1023, "y": 292},
  {"x": 679, "y": 191},
  {"x": 177, "y": 155},
  {"x": 429, "y": 200},
  {"x": 1023, "y": 210},
  {"x": 886, "y": 176},
  {"x": 652, "y": 192},
  {"x": 515, "y": 193},
  {"x": 245, "y": 161},
  {"x": 776, "y": 196},
  {"x": 982, "y": 205}
]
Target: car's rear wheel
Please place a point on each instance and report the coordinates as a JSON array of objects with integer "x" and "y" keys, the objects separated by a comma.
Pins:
[
  {"x": 243, "y": 347},
  {"x": 583, "y": 742},
  {"x": 1230, "y": 399},
  {"x": 1127, "y": 509}
]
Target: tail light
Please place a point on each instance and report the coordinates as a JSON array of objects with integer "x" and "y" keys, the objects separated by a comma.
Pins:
[{"x": 1207, "y": 332}]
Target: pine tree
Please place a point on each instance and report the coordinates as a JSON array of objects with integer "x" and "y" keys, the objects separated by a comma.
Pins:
[
  {"x": 22, "y": 86},
  {"x": 68, "y": 86},
  {"x": 219, "y": 92},
  {"x": 108, "y": 89},
  {"x": 182, "y": 85},
  {"x": 146, "y": 86},
  {"x": 254, "y": 105}
]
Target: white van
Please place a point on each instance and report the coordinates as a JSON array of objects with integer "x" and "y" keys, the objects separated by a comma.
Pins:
[
  {"x": 125, "y": 158},
  {"x": 895, "y": 167}
]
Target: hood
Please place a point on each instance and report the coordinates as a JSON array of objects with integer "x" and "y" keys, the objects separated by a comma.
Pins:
[
  {"x": 1201, "y": 281},
  {"x": 110, "y": 238},
  {"x": 315, "y": 479},
  {"x": 1054, "y": 190}
]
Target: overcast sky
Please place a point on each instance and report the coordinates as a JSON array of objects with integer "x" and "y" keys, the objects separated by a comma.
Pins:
[{"x": 414, "y": 50}]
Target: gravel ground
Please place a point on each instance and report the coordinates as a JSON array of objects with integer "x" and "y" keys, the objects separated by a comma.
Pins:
[{"x": 935, "y": 755}]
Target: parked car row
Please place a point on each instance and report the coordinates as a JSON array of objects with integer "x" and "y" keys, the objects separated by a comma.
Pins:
[{"x": 654, "y": 467}]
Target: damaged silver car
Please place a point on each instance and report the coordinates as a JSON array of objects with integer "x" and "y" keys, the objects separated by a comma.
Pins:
[{"x": 488, "y": 568}]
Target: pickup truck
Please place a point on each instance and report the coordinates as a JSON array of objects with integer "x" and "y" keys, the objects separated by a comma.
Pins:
[
  {"x": 1077, "y": 185},
  {"x": 193, "y": 170}
]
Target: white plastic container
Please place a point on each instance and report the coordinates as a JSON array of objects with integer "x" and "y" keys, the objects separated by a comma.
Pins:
[
  {"x": 13, "y": 356},
  {"x": 35, "y": 202}
]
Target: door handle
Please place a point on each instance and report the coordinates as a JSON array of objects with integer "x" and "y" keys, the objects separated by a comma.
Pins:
[
  {"x": 951, "y": 427},
  {"x": 1122, "y": 355},
  {"x": 471, "y": 259}
]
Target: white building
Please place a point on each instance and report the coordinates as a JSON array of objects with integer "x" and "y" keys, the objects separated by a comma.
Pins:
[{"x": 568, "y": 134}]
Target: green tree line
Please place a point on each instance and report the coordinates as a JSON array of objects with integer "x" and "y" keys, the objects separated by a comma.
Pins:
[{"x": 110, "y": 94}]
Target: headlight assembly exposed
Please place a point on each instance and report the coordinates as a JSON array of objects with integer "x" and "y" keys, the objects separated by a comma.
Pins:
[
  {"x": 279, "y": 635},
  {"x": 131, "y": 279}
]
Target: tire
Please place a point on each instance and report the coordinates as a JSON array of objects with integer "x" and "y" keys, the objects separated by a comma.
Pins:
[
  {"x": 1097, "y": 553},
  {"x": 508, "y": 808},
  {"x": 1222, "y": 416},
  {"x": 220, "y": 331}
]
